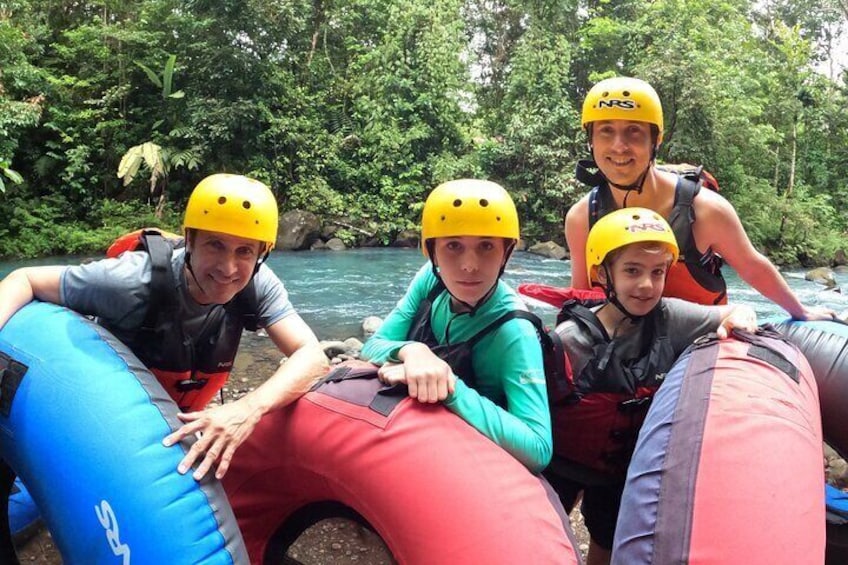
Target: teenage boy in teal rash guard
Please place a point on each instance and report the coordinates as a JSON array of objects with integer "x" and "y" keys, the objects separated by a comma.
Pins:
[{"x": 455, "y": 338}]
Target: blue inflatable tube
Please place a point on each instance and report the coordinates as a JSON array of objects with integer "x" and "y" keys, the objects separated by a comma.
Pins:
[
  {"x": 825, "y": 344},
  {"x": 81, "y": 423}
]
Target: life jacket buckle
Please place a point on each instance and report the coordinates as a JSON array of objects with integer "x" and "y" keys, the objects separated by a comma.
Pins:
[
  {"x": 191, "y": 384},
  {"x": 634, "y": 404}
]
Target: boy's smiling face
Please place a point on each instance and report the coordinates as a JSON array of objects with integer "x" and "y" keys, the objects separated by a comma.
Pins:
[{"x": 638, "y": 274}]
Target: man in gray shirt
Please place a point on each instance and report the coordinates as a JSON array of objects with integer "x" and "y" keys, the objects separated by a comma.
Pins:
[{"x": 181, "y": 312}]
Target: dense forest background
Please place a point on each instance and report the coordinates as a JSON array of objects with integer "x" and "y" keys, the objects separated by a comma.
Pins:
[{"x": 111, "y": 110}]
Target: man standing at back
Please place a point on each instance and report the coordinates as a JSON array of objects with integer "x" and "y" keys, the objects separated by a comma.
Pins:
[{"x": 623, "y": 121}]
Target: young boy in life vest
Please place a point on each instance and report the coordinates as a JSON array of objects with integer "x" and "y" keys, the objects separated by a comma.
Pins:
[
  {"x": 457, "y": 335},
  {"x": 616, "y": 356},
  {"x": 623, "y": 119},
  {"x": 186, "y": 328}
]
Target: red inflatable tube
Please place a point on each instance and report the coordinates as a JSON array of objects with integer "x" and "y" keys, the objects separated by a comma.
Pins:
[
  {"x": 728, "y": 465},
  {"x": 434, "y": 489}
]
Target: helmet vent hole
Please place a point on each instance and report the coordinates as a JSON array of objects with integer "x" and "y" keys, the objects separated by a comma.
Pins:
[
  {"x": 222, "y": 200},
  {"x": 605, "y": 94},
  {"x": 457, "y": 203},
  {"x": 626, "y": 93},
  {"x": 484, "y": 202},
  {"x": 246, "y": 204},
  {"x": 443, "y": 217},
  {"x": 498, "y": 218}
]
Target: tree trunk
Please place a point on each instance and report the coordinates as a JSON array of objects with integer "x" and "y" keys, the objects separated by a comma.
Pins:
[
  {"x": 791, "y": 184},
  {"x": 160, "y": 205},
  {"x": 788, "y": 194}
]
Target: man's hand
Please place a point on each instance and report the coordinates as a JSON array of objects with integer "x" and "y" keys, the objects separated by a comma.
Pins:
[
  {"x": 221, "y": 430},
  {"x": 741, "y": 317}
]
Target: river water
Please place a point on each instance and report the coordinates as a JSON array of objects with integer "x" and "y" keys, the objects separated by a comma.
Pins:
[{"x": 335, "y": 291}]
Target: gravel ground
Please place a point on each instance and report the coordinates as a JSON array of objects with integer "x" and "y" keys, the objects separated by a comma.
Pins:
[{"x": 335, "y": 541}]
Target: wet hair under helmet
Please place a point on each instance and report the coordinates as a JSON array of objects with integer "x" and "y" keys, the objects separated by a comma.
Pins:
[
  {"x": 469, "y": 207},
  {"x": 619, "y": 229}
]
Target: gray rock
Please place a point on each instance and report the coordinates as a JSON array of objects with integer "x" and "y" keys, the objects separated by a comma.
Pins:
[
  {"x": 821, "y": 275},
  {"x": 406, "y": 238},
  {"x": 549, "y": 249},
  {"x": 298, "y": 230},
  {"x": 353, "y": 344},
  {"x": 335, "y": 244},
  {"x": 333, "y": 348},
  {"x": 370, "y": 325}
]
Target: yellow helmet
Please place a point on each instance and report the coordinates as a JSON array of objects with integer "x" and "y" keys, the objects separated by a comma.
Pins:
[
  {"x": 623, "y": 227},
  {"x": 469, "y": 207},
  {"x": 623, "y": 98},
  {"x": 235, "y": 205}
]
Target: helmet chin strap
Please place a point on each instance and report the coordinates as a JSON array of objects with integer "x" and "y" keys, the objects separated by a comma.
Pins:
[
  {"x": 191, "y": 271},
  {"x": 588, "y": 172},
  {"x": 636, "y": 186},
  {"x": 609, "y": 291},
  {"x": 259, "y": 262}
]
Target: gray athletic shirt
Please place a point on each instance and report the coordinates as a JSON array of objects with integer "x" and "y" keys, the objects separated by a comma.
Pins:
[
  {"x": 684, "y": 322},
  {"x": 116, "y": 291}
]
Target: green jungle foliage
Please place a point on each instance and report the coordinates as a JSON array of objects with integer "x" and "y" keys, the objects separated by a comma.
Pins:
[{"x": 110, "y": 112}]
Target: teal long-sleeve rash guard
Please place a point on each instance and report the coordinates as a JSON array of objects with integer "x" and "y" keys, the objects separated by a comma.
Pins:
[{"x": 509, "y": 404}]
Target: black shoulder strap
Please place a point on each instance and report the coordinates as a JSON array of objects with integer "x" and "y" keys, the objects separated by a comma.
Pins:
[
  {"x": 522, "y": 314},
  {"x": 553, "y": 354},
  {"x": 683, "y": 214},
  {"x": 162, "y": 283},
  {"x": 585, "y": 317},
  {"x": 246, "y": 305},
  {"x": 421, "y": 321}
]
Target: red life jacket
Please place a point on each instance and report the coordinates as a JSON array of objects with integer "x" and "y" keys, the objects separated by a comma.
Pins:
[
  {"x": 597, "y": 425},
  {"x": 191, "y": 368},
  {"x": 599, "y": 405}
]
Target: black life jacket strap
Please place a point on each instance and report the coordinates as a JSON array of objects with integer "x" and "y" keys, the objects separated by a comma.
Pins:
[
  {"x": 419, "y": 329},
  {"x": 553, "y": 356},
  {"x": 586, "y": 318},
  {"x": 163, "y": 297},
  {"x": 684, "y": 196},
  {"x": 11, "y": 374}
]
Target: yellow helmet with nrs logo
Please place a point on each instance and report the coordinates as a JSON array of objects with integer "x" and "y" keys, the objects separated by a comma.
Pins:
[
  {"x": 624, "y": 227},
  {"x": 623, "y": 98}
]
